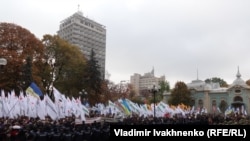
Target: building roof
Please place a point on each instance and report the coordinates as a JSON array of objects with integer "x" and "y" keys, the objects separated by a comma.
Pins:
[
  {"x": 200, "y": 85},
  {"x": 238, "y": 81}
]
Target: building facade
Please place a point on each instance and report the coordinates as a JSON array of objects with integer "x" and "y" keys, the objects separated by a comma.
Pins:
[
  {"x": 215, "y": 99},
  {"x": 145, "y": 82},
  {"x": 87, "y": 35}
]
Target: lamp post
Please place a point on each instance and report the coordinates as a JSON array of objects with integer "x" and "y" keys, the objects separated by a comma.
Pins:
[
  {"x": 83, "y": 94},
  {"x": 3, "y": 62},
  {"x": 154, "y": 91}
]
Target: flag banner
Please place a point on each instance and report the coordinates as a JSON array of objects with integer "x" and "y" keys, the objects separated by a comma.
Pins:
[{"x": 34, "y": 90}]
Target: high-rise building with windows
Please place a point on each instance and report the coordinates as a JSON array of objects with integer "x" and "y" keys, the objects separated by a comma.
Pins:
[
  {"x": 87, "y": 35},
  {"x": 145, "y": 82}
]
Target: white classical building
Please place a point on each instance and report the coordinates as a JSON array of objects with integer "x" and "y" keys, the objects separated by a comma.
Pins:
[
  {"x": 146, "y": 81},
  {"x": 213, "y": 97}
]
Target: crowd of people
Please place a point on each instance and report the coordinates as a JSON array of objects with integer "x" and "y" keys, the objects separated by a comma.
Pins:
[
  {"x": 66, "y": 129},
  {"x": 33, "y": 129}
]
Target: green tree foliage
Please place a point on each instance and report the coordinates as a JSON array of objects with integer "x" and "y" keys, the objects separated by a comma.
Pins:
[
  {"x": 217, "y": 80},
  {"x": 138, "y": 100},
  {"x": 158, "y": 97},
  {"x": 180, "y": 95},
  {"x": 16, "y": 45},
  {"x": 65, "y": 66},
  {"x": 27, "y": 77},
  {"x": 163, "y": 87},
  {"x": 92, "y": 79}
]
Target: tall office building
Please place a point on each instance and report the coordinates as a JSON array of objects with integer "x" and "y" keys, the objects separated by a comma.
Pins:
[
  {"x": 145, "y": 82},
  {"x": 87, "y": 35}
]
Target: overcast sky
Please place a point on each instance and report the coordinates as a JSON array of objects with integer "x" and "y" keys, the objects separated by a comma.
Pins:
[{"x": 178, "y": 38}]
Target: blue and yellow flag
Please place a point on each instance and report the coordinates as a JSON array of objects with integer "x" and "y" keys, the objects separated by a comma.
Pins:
[{"x": 34, "y": 90}]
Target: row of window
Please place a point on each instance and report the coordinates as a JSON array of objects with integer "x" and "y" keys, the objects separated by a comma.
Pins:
[{"x": 214, "y": 103}]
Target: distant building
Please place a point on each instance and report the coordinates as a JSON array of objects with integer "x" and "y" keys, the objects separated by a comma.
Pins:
[
  {"x": 144, "y": 82},
  {"x": 213, "y": 98},
  {"x": 87, "y": 35}
]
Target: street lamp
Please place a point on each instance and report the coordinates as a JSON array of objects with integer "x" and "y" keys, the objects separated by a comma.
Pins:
[
  {"x": 154, "y": 90},
  {"x": 3, "y": 62},
  {"x": 83, "y": 94}
]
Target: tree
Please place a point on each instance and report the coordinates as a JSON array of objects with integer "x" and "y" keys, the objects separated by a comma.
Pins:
[
  {"x": 16, "y": 45},
  {"x": 146, "y": 94},
  {"x": 180, "y": 95},
  {"x": 113, "y": 89},
  {"x": 105, "y": 95},
  {"x": 217, "y": 80},
  {"x": 164, "y": 87},
  {"x": 65, "y": 66},
  {"x": 138, "y": 100},
  {"x": 131, "y": 91},
  {"x": 248, "y": 82},
  {"x": 27, "y": 77},
  {"x": 92, "y": 79}
]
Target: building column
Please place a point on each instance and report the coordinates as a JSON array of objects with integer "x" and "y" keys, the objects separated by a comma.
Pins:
[{"x": 207, "y": 101}]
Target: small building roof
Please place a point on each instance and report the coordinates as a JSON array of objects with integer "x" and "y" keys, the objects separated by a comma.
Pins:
[
  {"x": 239, "y": 82},
  {"x": 200, "y": 85}
]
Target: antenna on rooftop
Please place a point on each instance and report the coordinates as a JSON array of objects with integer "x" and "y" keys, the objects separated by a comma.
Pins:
[
  {"x": 197, "y": 75},
  {"x": 78, "y": 10}
]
